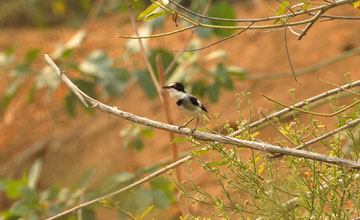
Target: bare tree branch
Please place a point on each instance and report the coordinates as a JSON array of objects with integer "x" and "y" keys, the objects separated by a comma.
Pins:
[
  {"x": 268, "y": 148},
  {"x": 143, "y": 180},
  {"x": 287, "y": 51},
  {"x": 337, "y": 3},
  {"x": 322, "y": 137},
  {"x": 310, "y": 112},
  {"x": 216, "y": 42},
  {"x": 314, "y": 19},
  {"x": 196, "y": 134},
  {"x": 298, "y": 105},
  {"x": 143, "y": 52},
  {"x": 294, "y": 202}
]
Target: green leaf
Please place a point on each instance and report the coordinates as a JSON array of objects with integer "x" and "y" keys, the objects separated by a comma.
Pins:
[
  {"x": 147, "y": 11},
  {"x": 70, "y": 104},
  {"x": 28, "y": 195},
  {"x": 165, "y": 185},
  {"x": 237, "y": 71},
  {"x": 146, "y": 132},
  {"x": 283, "y": 6},
  {"x": 198, "y": 88},
  {"x": 97, "y": 63},
  {"x": 205, "y": 33},
  {"x": 116, "y": 180},
  {"x": 48, "y": 79},
  {"x": 166, "y": 59},
  {"x": 86, "y": 177},
  {"x": 34, "y": 173},
  {"x": 32, "y": 54},
  {"x": 10, "y": 92},
  {"x": 146, "y": 84},
  {"x": 213, "y": 91},
  {"x": 161, "y": 200},
  {"x": 143, "y": 198},
  {"x": 30, "y": 96},
  {"x": 20, "y": 208},
  {"x": 21, "y": 70},
  {"x": 13, "y": 188},
  {"x": 156, "y": 15},
  {"x": 50, "y": 194},
  {"x": 146, "y": 212},
  {"x": 71, "y": 100},
  {"x": 137, "y": 143},
  {"x": 200, "y": 152},
  {"x": 222, "y": 77},
  {"x": 179, "y": 140},
  {"x": 54, "y": 209},
  {"x": 217, "y": 163},
  {"x": 10, "y": 50},
  {"x": 88, "y": 214},
  {"x": 222, "y": 9}
]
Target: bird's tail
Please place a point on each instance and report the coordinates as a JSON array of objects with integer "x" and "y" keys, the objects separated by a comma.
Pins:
[{"x": 206, "y": 116}]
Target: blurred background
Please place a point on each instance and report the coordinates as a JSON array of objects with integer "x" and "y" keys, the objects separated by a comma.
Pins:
[{"x": 47, "y": 133}]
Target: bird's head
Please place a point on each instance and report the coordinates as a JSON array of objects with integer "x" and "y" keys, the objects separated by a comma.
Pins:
[{"x": 176, "y": 86}]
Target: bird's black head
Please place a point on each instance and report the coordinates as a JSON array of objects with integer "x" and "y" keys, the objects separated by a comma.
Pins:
[{"x": 178, "y": 86}]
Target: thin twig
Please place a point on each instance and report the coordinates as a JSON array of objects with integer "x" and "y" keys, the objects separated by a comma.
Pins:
[
  {"x": 294, "y": 202},
  {"x": 143, "y": 52},
  {"x": 276, "y": 128},
  {"x": 159, "y": 35},
  {"x": 315, "y": 18},
  {"x": 322, "y": 137},
  {"x": 216, "y": 42},
  {"x": 139, "y": 182},
  {"x": 268, "y": 148},
  {"x": 196, "y": 134},
  {"x": 177, "y": 56},
  {"x": 309, "y": 112},
  {"x": 338, "y": 3},
  {"x": 168, "y": 116},
  {"x": 333, "y": 84},
  {"x": 298, "y": 105},
  {"x": 310, "y": 21},
  {"x": 287, "y": 51}
]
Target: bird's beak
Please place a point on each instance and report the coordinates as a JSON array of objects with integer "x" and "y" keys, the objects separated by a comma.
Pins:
[{"x": 167, "y": 87}]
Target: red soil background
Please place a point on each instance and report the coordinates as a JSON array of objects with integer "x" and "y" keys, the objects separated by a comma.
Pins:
[{"x": 70, "y": 146}]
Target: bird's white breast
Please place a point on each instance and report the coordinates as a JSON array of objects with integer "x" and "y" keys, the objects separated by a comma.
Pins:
[{"x": 176, "y": 94}]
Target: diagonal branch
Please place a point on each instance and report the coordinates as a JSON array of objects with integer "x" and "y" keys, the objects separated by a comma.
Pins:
[
  {"x": 342, "y": 128},
  {"x": 268, "y": 148},
  {"x": 216, "y": 42},
  {"x": 143, "y": 180},
  {"x": 314, "y": 19},
  {"x": 298, "y": 105}
]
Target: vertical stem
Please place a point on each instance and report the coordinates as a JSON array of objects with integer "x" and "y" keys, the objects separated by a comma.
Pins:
[
  {"x": 182, "y": 205},
  {"x": 167, "y": 113},
  {"x": 143, "y": 51}
]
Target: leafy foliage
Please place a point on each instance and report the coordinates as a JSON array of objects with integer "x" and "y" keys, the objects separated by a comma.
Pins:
[
  {"x": 29, "y": 203},
  {"x": 258, "y": 186}
]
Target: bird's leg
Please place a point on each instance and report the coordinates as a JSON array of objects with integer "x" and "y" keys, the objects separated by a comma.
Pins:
[
  {"x": 197, "y": 123},
  {"x": 186, "y": 123}
]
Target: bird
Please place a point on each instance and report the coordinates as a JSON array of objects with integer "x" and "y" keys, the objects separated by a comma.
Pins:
[{"x": 187, "y": 103}]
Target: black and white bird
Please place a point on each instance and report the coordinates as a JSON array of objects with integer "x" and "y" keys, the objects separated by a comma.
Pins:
[{"x": 187, "y": 103}]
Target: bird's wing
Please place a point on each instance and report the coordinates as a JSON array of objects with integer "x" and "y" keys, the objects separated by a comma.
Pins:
[{"x": 196, "y": 102}]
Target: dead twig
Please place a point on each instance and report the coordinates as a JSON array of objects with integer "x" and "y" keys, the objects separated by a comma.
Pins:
[
  {"x": 196, "y": 134},
  {"x": 298, "y": 105},
  {"x": 216, "y": 42}
]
